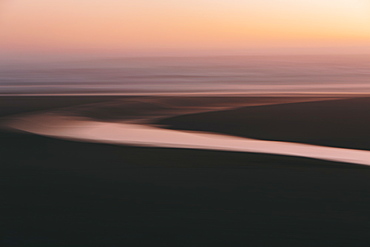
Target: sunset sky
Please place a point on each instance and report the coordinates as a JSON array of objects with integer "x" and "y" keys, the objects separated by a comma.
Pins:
[{"x": 57, "y": 26}]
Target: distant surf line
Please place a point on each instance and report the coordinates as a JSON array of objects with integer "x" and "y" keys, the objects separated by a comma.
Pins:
[{"x": 203, "y": 94}]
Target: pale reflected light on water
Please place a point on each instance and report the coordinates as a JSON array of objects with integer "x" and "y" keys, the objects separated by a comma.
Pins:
[{"x": 80, "y": 129}]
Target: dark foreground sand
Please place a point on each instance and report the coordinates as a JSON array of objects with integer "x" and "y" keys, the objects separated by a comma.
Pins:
[{"x": 63, "y": 193}]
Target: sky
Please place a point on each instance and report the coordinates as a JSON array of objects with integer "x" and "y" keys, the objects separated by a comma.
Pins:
[{"x": 164, "y": 26}]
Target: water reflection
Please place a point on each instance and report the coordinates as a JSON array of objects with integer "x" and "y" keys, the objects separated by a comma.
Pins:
[{"x": 73, "y": 128}]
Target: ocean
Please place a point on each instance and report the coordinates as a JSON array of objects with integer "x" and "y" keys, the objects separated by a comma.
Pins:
[{"x": 218, "y": 74}]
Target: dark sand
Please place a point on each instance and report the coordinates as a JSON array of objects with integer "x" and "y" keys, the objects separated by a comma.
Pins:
[
  {"x": 64, "y": 193},
  {"x": 61, "y": 193},
  {"x": 337, "y": 123},
  {"x": 148, "y": 108},
  {"x": 20, "y": 104}
]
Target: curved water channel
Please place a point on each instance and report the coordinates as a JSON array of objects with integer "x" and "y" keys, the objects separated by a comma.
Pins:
[{"x": 72, "y": 128}]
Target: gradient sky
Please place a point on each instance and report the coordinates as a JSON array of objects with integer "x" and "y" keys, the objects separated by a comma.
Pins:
[{"x": 164, "y": 25}]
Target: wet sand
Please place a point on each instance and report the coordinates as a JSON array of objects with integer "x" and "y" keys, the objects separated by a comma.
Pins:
[
  {"x": 10, "y": 105},
  {"x": 65, "y": 193},
  {"x": 335, "y": 123}
]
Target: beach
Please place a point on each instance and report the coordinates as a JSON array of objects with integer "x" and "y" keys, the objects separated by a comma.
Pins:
[
  {"x": 72, "y": 193},
  {"x": 184, "y": 123}
]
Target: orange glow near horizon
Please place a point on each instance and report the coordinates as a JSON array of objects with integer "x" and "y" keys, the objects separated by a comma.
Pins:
[{"x": 173, "y": 24}]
